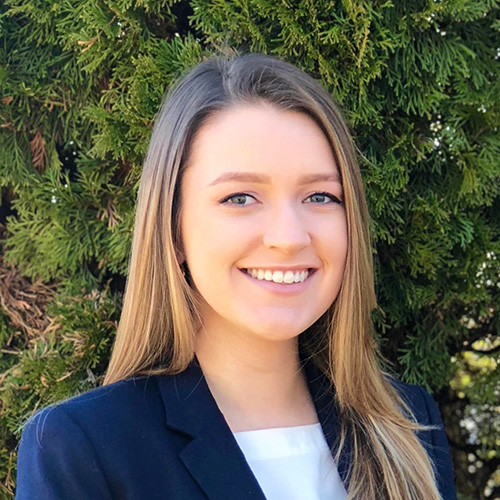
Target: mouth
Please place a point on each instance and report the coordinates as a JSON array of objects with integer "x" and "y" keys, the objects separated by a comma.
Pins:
[{"x": 287, "y": 277}]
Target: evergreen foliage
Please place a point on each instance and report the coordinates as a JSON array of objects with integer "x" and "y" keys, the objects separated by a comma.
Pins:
[{"x": 80, "y": 83}]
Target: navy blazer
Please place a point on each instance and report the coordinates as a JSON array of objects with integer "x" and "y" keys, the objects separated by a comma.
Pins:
[{"x": 164, "y": 438}]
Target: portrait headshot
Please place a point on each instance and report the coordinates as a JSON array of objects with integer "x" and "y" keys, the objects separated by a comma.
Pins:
[
  {"x": 249, "y": 252},
  {"x": 244, "y": 364}
]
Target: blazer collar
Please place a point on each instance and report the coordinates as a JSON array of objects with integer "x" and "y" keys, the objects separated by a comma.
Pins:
[{"x": 213, "y": 456}]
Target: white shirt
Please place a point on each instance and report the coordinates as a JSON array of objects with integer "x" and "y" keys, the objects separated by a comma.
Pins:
[{"x": 292, "y": 463}]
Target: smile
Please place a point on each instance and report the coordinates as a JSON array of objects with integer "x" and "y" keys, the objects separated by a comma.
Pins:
[{"x": 278, "y": 276}]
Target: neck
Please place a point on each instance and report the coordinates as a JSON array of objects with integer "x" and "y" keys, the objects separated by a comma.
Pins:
[{"x": 256, "y": 383}]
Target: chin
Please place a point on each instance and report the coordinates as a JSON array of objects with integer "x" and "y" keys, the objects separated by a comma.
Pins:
[{"x": 277, "y": 333}]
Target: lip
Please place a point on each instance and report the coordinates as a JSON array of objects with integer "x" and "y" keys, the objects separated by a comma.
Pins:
[
  {"x": 282, "y": 268},
  {"x": 282, "y": 288}
]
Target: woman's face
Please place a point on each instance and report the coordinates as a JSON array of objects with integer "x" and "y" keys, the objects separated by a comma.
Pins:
[{"x": 262, "y": 192}]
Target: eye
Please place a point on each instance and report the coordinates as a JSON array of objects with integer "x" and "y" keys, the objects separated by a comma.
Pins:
[
  {"x": 322, "y": 195},
  {"x": 236, "y": 196}
]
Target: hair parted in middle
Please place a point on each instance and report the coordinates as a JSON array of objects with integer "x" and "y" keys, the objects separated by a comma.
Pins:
[{"x": 160, "y": 315}]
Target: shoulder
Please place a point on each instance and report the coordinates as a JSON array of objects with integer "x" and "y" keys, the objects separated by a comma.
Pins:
[
  {"x": 96, "y": 411},
  {"x": 420, "y": 402},
  {"x": 426, "y": 412},
  {"x": 79, "y": 448},
  {"x": 434, "y": 439},
  {"x": 60, "y": 453}
]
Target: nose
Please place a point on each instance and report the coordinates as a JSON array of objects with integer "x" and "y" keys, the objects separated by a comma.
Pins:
[{"x": 286, "y": 231}]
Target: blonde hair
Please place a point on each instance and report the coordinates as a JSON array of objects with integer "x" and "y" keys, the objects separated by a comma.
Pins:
[{"x": 160, "y": 311}]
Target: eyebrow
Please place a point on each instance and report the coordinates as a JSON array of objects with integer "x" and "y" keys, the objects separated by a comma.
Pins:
[{"x": 266, "y": 179}]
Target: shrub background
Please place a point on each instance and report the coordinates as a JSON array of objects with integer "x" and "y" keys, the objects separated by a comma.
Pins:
[{"x": 80, "y": 83}]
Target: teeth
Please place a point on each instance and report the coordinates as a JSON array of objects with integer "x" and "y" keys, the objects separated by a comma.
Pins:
[{"x": 278, "y": 276}]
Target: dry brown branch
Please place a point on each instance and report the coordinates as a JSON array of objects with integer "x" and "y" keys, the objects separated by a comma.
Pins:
[
  {"x": 38, "y": 153},
  {"x": 24, "y": 302},
  {"x": 110, "y": 213}
]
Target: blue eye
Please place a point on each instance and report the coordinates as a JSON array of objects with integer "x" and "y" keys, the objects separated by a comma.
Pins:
[
  {"x": 245, "y": 199},
  {"x": 324, "y": 194},
  {"x": 235, "y": 196}
]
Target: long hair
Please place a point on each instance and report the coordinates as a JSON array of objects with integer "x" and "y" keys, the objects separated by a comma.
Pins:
[{"x": 160, "y": 312}]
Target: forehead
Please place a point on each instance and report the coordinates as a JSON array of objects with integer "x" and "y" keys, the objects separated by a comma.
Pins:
[{"x": 263, "y": 139}]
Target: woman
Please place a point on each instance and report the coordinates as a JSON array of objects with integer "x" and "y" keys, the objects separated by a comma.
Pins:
[{"x": 244, "y": 365}]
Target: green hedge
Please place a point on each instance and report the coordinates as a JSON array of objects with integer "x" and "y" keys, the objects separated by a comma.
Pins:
[{"x": 80, "y": 83}]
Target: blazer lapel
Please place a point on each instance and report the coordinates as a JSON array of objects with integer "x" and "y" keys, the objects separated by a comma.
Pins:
[{"x": 213, "y": 456}]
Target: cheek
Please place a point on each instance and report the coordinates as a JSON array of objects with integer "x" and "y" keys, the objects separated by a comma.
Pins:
[
  {"x": 343, "y": 248},
  {"x": 216, "y": 232},
  {"x": 194, "y": 239},
  {"x": 335, "y": 235},
  {"x": 336, "y": 248},
  {"x": 343, "y": 242},
  {"x": 207, "y": 242}
]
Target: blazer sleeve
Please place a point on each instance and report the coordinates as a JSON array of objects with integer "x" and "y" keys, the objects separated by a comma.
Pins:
[
  {"x": 440, "y": 450},
  {"x": 56, "y": 460}
]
